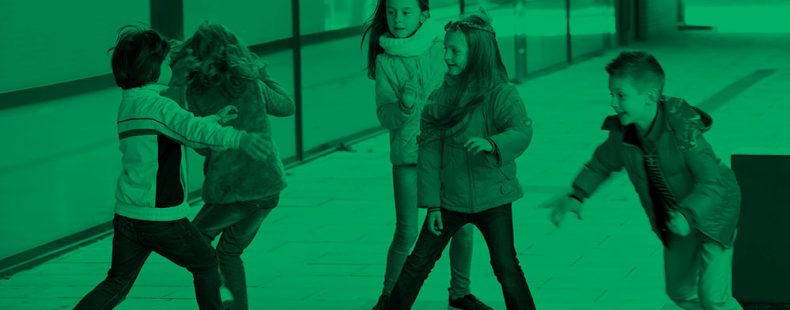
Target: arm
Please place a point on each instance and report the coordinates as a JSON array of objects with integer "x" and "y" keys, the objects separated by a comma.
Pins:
[
  {"x": 709, "y": 191},
  {"x": 178, "y": 94},
  {"x": 509, "y": 113},
  {"x": 429, "y": 162},
  {"x": 606, "y": 159},
  {"x": 197, "y": 132},
  {"x": 389, "y": 107},
  {"x": 278, "y": 102}
]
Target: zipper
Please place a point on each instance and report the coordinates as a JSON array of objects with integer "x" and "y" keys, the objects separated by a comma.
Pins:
[
  {"x": 660, "y": 168},
  {"x": 471, "y": 182},
  {"x": 666, "y": 181},
  {"x": 487, "y": 134},
  {"x": 646, "y": 176}
]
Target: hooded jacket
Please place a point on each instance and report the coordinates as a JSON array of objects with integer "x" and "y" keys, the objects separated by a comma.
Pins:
[{"x": 706, "y": 190}]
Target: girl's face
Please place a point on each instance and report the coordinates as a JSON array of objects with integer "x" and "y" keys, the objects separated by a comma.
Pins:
[
  {"x": 165, "y": 73},
  {"x": 631, "y": 105},
  {"x": 404, "y": 17},
  {"x": 455, "y": 52}
]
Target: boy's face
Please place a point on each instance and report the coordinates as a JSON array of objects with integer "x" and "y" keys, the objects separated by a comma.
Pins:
[
  {"x": 455, "y": 52},
  {"x": 165, "y": 73},
  {"x": 404, "y": 17},
  {"x": 631, "y": 104}
]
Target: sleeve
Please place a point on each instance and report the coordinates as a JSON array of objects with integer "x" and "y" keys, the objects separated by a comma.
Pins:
[
  {"x": 278, "y": 102},
  {"x": 605, "y": 160},
  {"x": 176, "y": 93},
  {"x": 429, "y": 161},
  {"x": 510, "y": 114},
  {"x": 197, "y": 132},
  {"x": 709, "y": 191},
  {"x": 390, "y": 111},
  {"x": 194, "y": 107}
]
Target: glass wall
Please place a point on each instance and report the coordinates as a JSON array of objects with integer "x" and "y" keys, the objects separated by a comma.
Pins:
[
  {"x": 316, "y": 16},
  {"x": 338, "y": 98},
  {"x": 52, "y": 41},
  {"x": 545, "y": 25},
  {"x": 592, "y": 26},
  {"x": 255, "y": 22},
  {"x": 737, "y": 16},
  {"x": 503, "y": 19}
]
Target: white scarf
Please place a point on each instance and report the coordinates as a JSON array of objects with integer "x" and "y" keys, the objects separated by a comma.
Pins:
[{"x": 421, "y": 41}]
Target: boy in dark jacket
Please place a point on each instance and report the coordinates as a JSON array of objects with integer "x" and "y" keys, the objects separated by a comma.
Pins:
[{"x": 691, "y": 198}]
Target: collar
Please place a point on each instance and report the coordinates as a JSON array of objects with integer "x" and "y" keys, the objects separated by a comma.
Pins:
[
  {"x": 147, "y": 88},
  {"x": 425, "y": 36}
]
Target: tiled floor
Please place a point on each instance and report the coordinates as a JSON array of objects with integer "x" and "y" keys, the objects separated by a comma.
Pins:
[{"x": 324, "y": 247}]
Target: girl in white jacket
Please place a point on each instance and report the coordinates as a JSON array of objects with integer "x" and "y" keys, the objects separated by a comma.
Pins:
[{"x": 405, "y": 57}]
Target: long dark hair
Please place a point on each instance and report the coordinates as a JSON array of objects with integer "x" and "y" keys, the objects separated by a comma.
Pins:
[
  {"x": 484, "y": 70},
  {"x": 376, "y": 26},
  {"x": 215, "y": 57}
]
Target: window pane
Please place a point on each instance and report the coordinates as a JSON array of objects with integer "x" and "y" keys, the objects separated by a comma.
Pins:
[
  {"x": 254, "y": 21},
  {"x": 338, "y": 98},
  {"x": 51, "y": 41},
  {"x": 324, "y": 15}
]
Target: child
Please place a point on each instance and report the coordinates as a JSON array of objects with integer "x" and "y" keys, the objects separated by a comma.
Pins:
[
  {"x": 239, "y": 191},
  {"x": 151, "y": 207},
  {"x": 472, "y": 131},
  {"x": 405, "y": 59},
  {"x": 691, "y": 198}
]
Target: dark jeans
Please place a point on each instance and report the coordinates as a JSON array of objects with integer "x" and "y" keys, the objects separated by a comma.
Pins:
[
  {"x": 134, "y": 240},
  {"x": 239, "y": 223},
  {"x": 496, "y": 226}
]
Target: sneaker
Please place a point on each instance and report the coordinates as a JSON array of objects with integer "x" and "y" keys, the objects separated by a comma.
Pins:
[
  {"x": 382, "y": 304},
  {"x": 468, "y": 302}
]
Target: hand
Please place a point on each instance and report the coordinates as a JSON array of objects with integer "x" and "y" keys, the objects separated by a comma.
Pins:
[
  {"x": 560, "y": 206},
  {"x": 678, "y": 223},
  {"x": 477, "y": 145},
  {"x": 434, "y": 222},
  {"x": 410, "y": 93},
  {"x": 228, "y": 114},
  {"x": 254, "y": 145}
]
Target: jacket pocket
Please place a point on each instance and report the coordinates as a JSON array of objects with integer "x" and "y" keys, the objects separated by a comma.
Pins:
[
  {"x": 507, "y": 171},
  {"x": 508, "y": 187}
]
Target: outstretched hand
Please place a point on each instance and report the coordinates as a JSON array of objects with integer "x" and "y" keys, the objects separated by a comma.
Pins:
[
  {"x": 228, "y": 114},
  {"x": 560, "y": 206}
]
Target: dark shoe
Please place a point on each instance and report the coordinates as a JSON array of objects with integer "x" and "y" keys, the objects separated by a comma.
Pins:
[
  {"x": 468, "y": 302},
  {"x": 227, "y": 304},
  {"x": 382, "y": 304}
]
